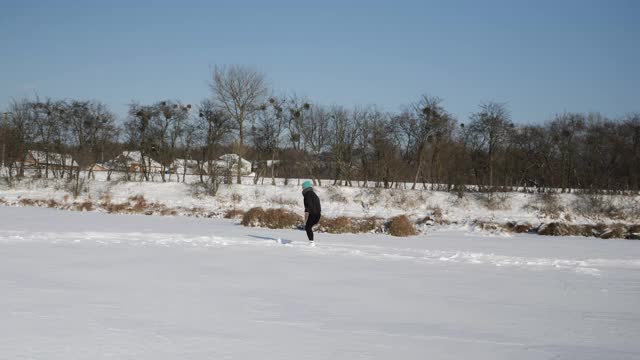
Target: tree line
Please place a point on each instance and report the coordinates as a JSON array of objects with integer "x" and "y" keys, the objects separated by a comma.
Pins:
[{"x": 422, "y": 146}]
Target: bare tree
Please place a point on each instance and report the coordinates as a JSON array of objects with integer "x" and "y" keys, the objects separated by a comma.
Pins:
[
  {"x": 186, "y": 145},
  {"x": 140, "y": 135},
  {"x": 566, "y": 131},
  {"x": 89, "y": 125},
  {"x": 214, "y": 126},
  {"x": 589, "y": 152},
  {"x": 167, "y": 128},
  {"x": 312, "y": 128},
  {"x": 46, "y": 116},
  {"x": 345, "y": 128},
  {"x": 272, "y": 120},
  {"x": 489, "y": 127},
  {"x": 532, "y": 156},
  {"x": 19, "y": 127},
  {"x": 425, "y": 123},
  {"x": 239, "y": 92},
  {"x": 630, "y": 131}
]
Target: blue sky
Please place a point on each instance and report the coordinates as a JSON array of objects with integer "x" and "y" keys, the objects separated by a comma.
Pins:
[{"x": 540, "y": 57}]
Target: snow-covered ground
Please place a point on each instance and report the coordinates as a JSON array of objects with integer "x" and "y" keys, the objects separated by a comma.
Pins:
[
  {"x": 336, "y": 200},
  {"x": 87, "y": 285}
]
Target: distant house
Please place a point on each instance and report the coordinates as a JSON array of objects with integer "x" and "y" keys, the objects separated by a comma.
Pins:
[
  {"x": 41, "y": 159},
  {"x": 271, "y": 163},
  {"x": 226, "y": 162},
  {"x": 192, "y": 168},
  {"x": 98, "y": 167},
  {"x": 133, "y": 161},
  {"x": 264, "y": 164},
  {"x": 230, "y": 162}
]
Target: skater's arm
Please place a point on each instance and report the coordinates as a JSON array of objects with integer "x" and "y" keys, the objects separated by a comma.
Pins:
[
  {"x": 306, "y": 207},
  {"x": 306, "y": 203}
]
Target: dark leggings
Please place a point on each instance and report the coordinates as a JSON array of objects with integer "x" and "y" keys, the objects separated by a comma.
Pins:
[{"x": 311, "y": 220}]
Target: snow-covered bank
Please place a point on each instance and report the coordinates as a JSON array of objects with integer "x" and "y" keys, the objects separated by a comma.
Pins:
[
  {"x": 440, "y": 207},
  {"x": 87, "y": 285}
]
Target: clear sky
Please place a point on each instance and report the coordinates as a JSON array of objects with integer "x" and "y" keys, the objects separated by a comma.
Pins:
[{"x": 540, "y": 57}]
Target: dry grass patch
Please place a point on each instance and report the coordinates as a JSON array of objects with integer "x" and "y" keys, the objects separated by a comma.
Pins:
[
  {"x": 548, "y": 205},
  {"x": 253, "y": 217},
  {"x": 345, "y": 224},
  {"x": 518, "y": 227},
  {"x": 84, "y": 206},
  {"x": 39, "y": 203},
  {"x": 140, "y": 203},
  {"x": 495, "y": 200},
  {"x": 598, "y": 206},
  {"x": 631, "y": 206},
  {"x": 200, "y": 212},
  {"x": 401, "y": 226},
  {"x": 116, "y": 208},
  {"x": 436, "y": 211},
  {"x": 554, "y": 229},
  {"x": 284, "y": 219},
  {"x": 588, "y": 230},
  {"x": 234, "y": 214},
  {"x": 367, "y": 198},
  {"x": 615, "y": 231},
  {"x": 562, "y": 229},
  {"x": 271, "y": 218},
  {"x": 551, "y": 205},
  {"x": 281, "y": 219},
  {"x": 372, "y": 195},
  {"x": 488, "y": 226},
  {"x": 168, "y": 212},
  {"x": 105, "y": 199},
  {"x": 159, "y": 209},
  {"x": 634, "y": 232},
  {"x": 603, "y": 231},
  {"x": 339, "y": 225},
  {"x": 436, "y": 216},
  {"x": 236, "y": 198},
  {"x": 403, "y": 199},
  {"x": 370, "y": 224},
  {"x": 137, "y": 205},
  {"x": 27, "y": 202}
]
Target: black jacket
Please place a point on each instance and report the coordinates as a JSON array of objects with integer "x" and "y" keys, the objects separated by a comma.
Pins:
[{"x": 311, "y": 201}]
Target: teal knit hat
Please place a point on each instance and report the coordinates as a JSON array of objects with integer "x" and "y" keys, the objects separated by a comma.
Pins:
[{"x": 306, "y": 184}]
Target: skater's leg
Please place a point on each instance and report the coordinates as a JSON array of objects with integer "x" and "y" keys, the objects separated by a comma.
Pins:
[
  {"x": 311, "y": 221},
  {"x": 309, "y": 231}
]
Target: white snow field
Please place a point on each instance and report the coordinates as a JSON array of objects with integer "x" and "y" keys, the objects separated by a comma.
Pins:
[{"x": 76, "y": 285}]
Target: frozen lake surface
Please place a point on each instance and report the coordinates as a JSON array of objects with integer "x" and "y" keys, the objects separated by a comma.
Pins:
[{"x": 97, "y": 286}]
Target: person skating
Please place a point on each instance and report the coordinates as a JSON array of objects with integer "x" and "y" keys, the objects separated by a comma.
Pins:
[{"x": 311, "y": 208}]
